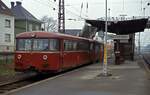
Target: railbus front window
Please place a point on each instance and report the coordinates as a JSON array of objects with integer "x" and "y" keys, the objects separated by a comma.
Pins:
[
  {"x": 40, "y": 45},
  {"x": 46, "y": 45},
  {"x": 24, "y": 44}
]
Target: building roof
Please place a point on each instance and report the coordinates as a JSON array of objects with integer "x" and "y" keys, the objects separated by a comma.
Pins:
[
  {"x": 121, "y": 27},
  {"x": 21, "y": 13},
  {"x": 4, "y": 9}
]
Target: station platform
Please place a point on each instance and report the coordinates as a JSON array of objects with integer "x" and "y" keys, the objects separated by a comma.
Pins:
[{"x": 126, "y": 79}]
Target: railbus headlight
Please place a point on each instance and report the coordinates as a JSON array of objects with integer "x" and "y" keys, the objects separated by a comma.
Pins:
[
  {"x": 45, "y": 57},
  {"x": 19, "y": 56}
]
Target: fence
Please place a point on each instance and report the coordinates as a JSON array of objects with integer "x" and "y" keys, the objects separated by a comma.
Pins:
[{"x": 6, "y": 57}]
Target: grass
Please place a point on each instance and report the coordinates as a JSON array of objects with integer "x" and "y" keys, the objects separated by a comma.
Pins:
[
  {"x": 6, "y": 61},
  {"x": 6, "y": 67}
]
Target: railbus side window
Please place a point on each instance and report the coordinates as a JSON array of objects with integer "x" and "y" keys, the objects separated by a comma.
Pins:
[
  {"x": 83, "y": 45},
  {"x": 24, "y": 44},
  {"x": 91, "y": 46},
  {"x": 54, "y": 45},
  {"x": 74, "y": 45},
  {"x": 67, "y": 45},
  {"x": 70, "y": 45},
  {"x": 97, "y": 48}
]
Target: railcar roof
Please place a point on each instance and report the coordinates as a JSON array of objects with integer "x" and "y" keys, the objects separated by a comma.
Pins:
[{"x": 48, "y": 35}]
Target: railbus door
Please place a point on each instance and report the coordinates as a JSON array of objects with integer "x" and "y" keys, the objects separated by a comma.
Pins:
[{"x": 69, "y": 54}]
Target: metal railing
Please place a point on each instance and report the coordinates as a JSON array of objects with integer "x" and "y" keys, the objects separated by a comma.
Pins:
[{"x": 6, "y": 57}]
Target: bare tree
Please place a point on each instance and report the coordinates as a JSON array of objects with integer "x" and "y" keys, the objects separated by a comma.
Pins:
[{"x": 50, "y": 24}]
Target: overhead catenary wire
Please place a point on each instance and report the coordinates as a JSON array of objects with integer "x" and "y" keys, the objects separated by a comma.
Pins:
[
  {"x": 73, "y": 9},
  {"x": 67, "y": 11},
  {"x": 77, "y": 10}
]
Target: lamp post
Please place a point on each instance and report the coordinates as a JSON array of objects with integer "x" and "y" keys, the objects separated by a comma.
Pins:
[{"x": 105, "y": 71}]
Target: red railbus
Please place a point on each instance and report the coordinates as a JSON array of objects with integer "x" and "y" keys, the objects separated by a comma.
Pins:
[{"x": 53, "y": 52}]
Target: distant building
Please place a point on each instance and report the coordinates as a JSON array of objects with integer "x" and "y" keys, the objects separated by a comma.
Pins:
[
  {"x": 74, "y": 32},
  {"x": 74, "y": 27},
  {"x": 6, "y": 29},
  {"x": 24, "y": 21}
]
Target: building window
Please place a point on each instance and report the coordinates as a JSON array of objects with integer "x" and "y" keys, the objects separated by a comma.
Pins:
[
  {"x": 7, "y": 38},
  {"x": 30, "y": 27},
  {"x": 7, "y": 23}
]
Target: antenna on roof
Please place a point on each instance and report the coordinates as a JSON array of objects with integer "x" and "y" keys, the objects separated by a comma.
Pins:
[
  {"x": 141, "y": 5},
  {"x": 123, "y": 5}
]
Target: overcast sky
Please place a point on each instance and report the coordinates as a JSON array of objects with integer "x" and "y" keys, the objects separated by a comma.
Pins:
[{"x": 96, "y": 8}]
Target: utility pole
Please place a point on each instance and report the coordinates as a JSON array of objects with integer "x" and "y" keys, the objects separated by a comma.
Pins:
[{"x": 61, "y": 17}]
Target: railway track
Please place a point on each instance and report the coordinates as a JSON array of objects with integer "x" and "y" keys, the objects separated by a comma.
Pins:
[
  {"x": 11, "y": 86},
  {"x": 33, "y": 79},
  {"x": 20, "y": 83}
]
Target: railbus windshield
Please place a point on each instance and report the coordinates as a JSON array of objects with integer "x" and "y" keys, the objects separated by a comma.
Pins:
[
  {"x": 24, "y": 45},
  {"x": 37, "y": 45}
]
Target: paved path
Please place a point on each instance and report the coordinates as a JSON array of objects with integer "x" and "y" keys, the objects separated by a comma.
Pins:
[{"x": 127, "y": 79}]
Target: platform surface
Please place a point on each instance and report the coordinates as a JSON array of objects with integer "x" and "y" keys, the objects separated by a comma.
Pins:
[{"x": 127, "y": 79}]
